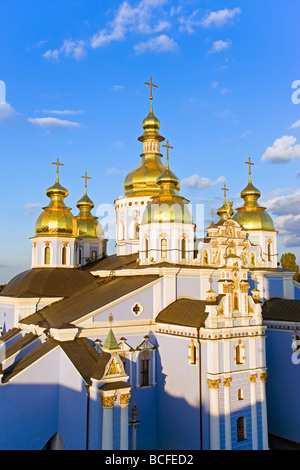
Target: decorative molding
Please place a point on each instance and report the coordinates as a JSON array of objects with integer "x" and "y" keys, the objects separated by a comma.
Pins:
[
  {"x": 108, "y": 401},
  {"x": 124, "y": 398},
  {"x": 263, "y": 376},
  {"x": 213, "y": 383},
  {"x": 253, "y": 378},
  {"x": 227, "y": 381}
]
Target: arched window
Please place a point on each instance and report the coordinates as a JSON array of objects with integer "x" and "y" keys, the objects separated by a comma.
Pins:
[
  {"x": 241, "y": 429},
  {"x": 146, "y": 248},
  {"x": 145, "y": 372},
  {"x": 240, "y": 394},
  {"x": 193, "y": 354},
  {"x": 136, "y": 231},
  {"x": 269, "y": 252},
  {"x": 238, "y": 354},
  {"x": 121, "y": 230},
  {"x": 64, "y": 255},
  {"x": 80, "y": 255},
  {"x": 235, "y": 301},
  {"x": 163, "y": 248},
  {"x": 183, "y": 249},
  {"x": 47, "y": 255},
  {"x": 252, "y": 259},
  {"x": 205, "y": 257}
]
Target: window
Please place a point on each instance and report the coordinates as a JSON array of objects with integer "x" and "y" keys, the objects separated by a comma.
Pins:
[
  {"x": 252, "y": 259},
  {"x": 240, "y": 429},
  {"x": 240, "y": 394},
  {"x": 80, "y": 255},
  {"x": 239, "y": 358},
  {"x": 205, "y": 257},
  {"x": 64, "y": 255},
  {"x": 146, "y": 248},
  {"x": 183, "y": 250},
  {"x": 94, "y": 254},
  {"x": 136, "y": 231},
  {"x": 193, "y": 354},
  {"x": 47, "y": 255},
  {"x": 163, "y": 245},
  {"x": 269, "y": 252},
  {"x": 145, "y": 372}
]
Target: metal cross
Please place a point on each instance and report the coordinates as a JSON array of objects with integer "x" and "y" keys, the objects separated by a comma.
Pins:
[
  {"x": 225, "y": 189},
  {"x": 249, "y": 163},
  {"x": 57, "y": 165},
  {"x": 151, "y": 84},
  {"x": 86, "y": 177},
  {"x": 168, "y": 147}
]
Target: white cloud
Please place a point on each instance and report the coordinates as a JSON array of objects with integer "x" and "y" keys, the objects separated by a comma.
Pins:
[
  {"x": 51, "y": 122},
  {"x": 283, "y": 205},
  {"x": 158, "y": 44},
  {"x": 200, "y": 182},
  {"x": 220, "y": 17},
  {"x": 219, "y": 46},
  {"x": 296, "y": 124},
  {"x": 188, "y": 23},
  {"x": 118, "y": 87},
  {"x": 283, "y": 150},
  {"x": 6, "y": 111},
  {"x": 131, "y": 19},
  {"x": 63, "y": 112},
  {"x": 75, "y": 49}
]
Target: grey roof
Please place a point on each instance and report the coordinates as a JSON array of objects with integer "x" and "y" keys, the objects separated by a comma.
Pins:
[
  {"x": 184, "y": 312},
  {"x": 279, "y": 309},
  {"x": 63, "y": 313}
]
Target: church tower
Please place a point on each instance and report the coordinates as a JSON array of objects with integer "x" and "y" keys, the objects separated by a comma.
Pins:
[
  {"x": 167, "y": 230},
  {"x": 140, "y": 185},
  {"x": 54, "y": 243},
  {"x": 254, "y": 219},
  {"x": 92, "y": 243}
]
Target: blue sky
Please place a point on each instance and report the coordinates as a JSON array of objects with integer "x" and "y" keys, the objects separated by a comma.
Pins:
[{"x": 74, "y": 73}]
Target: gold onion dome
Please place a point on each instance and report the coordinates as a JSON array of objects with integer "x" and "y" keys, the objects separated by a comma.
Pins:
[
  {"x": 87, "y": 225},
  {"x": 56, "y": 219},
  {"x": 168, "y": 205},
  {"x": 143, "y": 180},
  {"x": 252, "y": 216}
]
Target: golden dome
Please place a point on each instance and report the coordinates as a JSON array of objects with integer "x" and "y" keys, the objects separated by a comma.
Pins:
[
  {"x": 142, "y": 180},
  {"x": 251, "y": 216},
  {"x": 168, "y": 205},
  {"x": 87, "y": 224},
  {"x": 56, "y": 219},
  {"x": 225, "y": 211}
]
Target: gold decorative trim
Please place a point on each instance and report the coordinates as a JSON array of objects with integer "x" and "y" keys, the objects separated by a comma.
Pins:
[
  {"x": 227, "y": 381},
  {"x": 108, "y": 401},
  {"x": 263, "y": 376},
  {"x": 213, "y": 383},
  {"x": 124, "y": 398},
  {"x": 253, "y": 378}
]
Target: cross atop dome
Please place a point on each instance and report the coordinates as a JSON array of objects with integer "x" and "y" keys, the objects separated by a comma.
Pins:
[{"x": 151, "y": 85}]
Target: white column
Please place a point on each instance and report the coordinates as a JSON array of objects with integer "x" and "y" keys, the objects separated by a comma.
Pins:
[
  {"x": 227, "y": 411},
  {"x": 263, "y": 377},
  {"x": 124, "y": 402},
  {"x": 214, "y": 413},
  {"x": 107, "y": 422},
  {"x": 253, "y": 378}
]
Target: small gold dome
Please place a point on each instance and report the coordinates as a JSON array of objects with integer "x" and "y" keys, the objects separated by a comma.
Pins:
[
  {"x": 168, "y": 206},
  {"x": 87, "y": 225},
  {"x": 251, "y": 216},
  {"x": 56, "y": 218}
]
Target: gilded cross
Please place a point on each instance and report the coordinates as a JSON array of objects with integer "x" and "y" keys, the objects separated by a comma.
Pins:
[
  {"x": 57, "y": 167},
  {"x": 168, "y": 147},
  {"x": 86, "y": 177},
  {"x": 249, "y": 163},
  {"x": 151, "y": 85},
  {"x": 225, "y": 189}
]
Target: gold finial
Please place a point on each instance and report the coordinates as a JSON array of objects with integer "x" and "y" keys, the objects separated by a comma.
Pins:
[
  {"x": 225, "y": 189},
  {"x": 212, "y": 215},
  {"x": 151, "y": 85},
  {"x": 249, "y": 163},
  {"x": 86, "y": 177},
  {"x": 57, "y": 169},
  {"x": 168, "y": 147}
]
